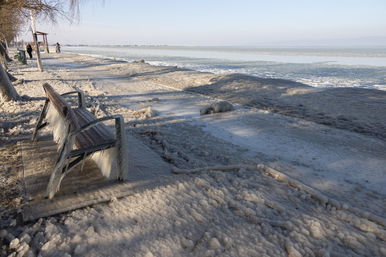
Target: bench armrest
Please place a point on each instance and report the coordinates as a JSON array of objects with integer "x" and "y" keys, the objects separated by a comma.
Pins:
[
  {"x": 81, "y": 102},
  {"x": 117, "y": 118}
]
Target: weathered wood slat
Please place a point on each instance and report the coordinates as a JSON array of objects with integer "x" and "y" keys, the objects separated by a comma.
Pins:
[
  {"x": 63, "y": 108},
  {"x": 99, "y": 134}
]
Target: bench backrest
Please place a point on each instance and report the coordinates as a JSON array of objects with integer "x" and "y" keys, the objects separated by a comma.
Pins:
[
  {"x": 79, "y": 117},
  {"x": 60, "y": 104}
]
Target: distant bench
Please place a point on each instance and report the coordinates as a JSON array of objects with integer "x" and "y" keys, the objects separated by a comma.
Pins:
[{"x": 80, "y": 134}]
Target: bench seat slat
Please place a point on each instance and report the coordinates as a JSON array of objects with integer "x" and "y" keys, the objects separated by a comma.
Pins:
[
  {"x": 98, "y": 134},
  {"x": 86, "y": 117}
]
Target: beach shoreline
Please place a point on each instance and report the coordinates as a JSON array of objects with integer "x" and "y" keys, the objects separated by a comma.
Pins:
[
  {"x": 322, "y": 68},
  {"x": 330, "y": 139},
  {"x": 355, "y": 109}
]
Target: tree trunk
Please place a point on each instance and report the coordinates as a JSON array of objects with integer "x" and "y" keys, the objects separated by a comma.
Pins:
[
  {"x": 3, "y": 53},
  {"x": 6, "y": 46},
  {"x": 7, "y": 91}
]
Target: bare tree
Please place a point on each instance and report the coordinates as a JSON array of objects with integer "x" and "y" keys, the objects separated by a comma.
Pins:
[
  {"x": 13, "y": 13},
  {"x": 4, "y": 54},
  {"x": 50, "y": 9},
  {"x": 7, "y": 91}
]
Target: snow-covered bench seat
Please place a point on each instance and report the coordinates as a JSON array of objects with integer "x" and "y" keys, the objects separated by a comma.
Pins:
[{"x": 80, "y": 134}]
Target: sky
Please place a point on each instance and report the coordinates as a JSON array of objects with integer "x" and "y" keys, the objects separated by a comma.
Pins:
[{"x": 223, "y": 23}]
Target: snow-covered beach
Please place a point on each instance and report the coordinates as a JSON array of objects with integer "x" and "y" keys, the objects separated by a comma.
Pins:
[{"x": 332, "y": 139}]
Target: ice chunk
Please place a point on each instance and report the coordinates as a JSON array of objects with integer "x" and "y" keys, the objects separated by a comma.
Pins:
[
  {"x": 187, "y": 243},
  {"x": 214, "y": 243},
  {"x": 292, "y": 252},
  {"x": 148, "y": 254},
  {"x": 14, "y": 243},
  {"x": 146, "y": 113},
  {"x": 25, "y": 238},
  {"x": 23, "y": 249},
  {"x": 316, "y": 230},
  {"x": 80, "y": 249}
]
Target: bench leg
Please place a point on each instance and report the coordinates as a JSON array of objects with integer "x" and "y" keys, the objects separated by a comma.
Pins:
[
  {"x": 40, "y": 120},
  {"x": 122, "y": 151},
  {"x": 58, "y": 174}
]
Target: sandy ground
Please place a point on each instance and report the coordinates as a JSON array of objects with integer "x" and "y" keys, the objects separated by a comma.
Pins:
[{"x": 330, "y": 139}]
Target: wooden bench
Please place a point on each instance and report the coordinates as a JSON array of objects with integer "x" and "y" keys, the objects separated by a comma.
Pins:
[{"x": 80, "y": 134}]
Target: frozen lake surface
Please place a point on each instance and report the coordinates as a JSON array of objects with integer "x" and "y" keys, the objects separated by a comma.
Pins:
[{"x": 323, "y": 67}]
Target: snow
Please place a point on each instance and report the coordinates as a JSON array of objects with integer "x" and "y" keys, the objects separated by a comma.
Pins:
[{"x": 230, "y": 209}]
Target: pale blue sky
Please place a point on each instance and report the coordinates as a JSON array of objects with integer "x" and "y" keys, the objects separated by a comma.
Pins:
[{"x": 225, "y": 22}]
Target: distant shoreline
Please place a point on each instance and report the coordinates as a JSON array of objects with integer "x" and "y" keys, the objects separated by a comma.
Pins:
[{"x": 338, "y": 51}]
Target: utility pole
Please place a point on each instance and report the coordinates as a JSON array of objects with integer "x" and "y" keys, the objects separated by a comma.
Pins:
[{"x": 35, "y": 38}]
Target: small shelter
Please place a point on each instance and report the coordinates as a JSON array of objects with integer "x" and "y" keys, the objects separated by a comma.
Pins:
[{"x": 45, "y": 41}]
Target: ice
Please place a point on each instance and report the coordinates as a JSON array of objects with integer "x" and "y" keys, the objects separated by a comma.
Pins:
[
  {"x": 80, "y": 249},
  {"x": 214, "y": 243},
  {"x": 25, "y": 238},
  {"x": 57, "y": 124},
  {"x": 316, "y": 230},
  {"x": 145, "y": 113},
  {"x": 38, "y": 240},
  {"x": 291, "y": 250},
  {"x": 209, "y": 253},
  {"x": 22, "y": 249},
  {"x": 76, "y": 239},
  {"x": 148, "y": 254},
  {"x": 14, "y": 243},
  {"x": 187, "y": 243},
  {"x": 105, "y": 160},
  {"x": 30, "y": 253},
  {"x": 233, "y": 211},
  {"x": 319, "y": 67},
  {"x": 382, "y": 251}
]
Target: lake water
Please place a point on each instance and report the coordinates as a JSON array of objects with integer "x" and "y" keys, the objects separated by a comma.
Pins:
[{"x": 324, "y": 67}]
